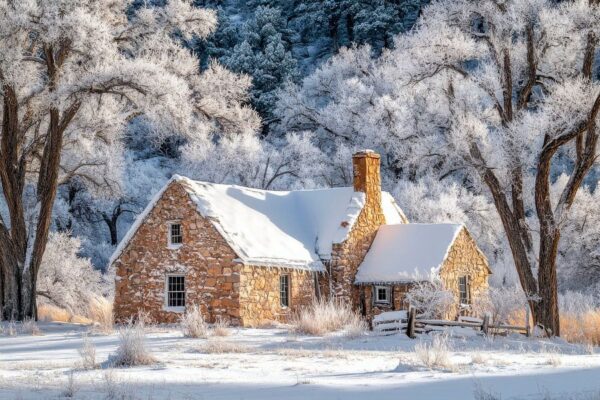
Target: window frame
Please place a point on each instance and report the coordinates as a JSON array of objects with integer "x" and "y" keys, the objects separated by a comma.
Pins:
[
  {"x": 170, "y": 226},
  {"x": 388, "y": 297},
  {"x": 287, "y": 286},
  {"x": 466, "y": 292},
  {"x": 167, "y": 307}
]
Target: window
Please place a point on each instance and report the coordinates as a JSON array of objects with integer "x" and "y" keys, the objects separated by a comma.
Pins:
[
  {"x": 284, "y": 290},
  {"x": 176, "y": 292},
  {"x": 464, "y": 290},
  {"x": 175, "y": 234},
  {"x": 382, "y": 294}
]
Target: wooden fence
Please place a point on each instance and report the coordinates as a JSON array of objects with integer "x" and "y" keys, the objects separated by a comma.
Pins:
[{"x": 413, "y": 324}]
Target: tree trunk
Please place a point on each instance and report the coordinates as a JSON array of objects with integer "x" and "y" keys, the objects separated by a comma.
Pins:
[{"x": 111, "y": 223}]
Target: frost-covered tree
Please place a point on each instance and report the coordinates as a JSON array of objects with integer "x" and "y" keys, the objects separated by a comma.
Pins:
[
  {"x": 486, "y": 93},
  {"x": 248, "y": 161},
  {"x": 67, "y": 280},
  {"x": 72, "y": 75}
]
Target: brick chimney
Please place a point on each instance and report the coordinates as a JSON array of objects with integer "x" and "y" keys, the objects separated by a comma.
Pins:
[{"x": 367, "y": 178}]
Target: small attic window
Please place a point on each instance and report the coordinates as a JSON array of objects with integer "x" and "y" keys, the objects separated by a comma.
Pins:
[{"x": 175, "y": 234}]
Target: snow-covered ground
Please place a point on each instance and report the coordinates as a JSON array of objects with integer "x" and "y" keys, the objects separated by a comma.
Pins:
[{"x": 275, "y": 364}]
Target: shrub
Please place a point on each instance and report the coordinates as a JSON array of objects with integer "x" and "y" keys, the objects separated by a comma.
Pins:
[
  {"x": 87, "y": 351},
  {"x": 71, "y": 387},
  {"x": 322, "y": 317},
  {"x": 435, "y": 354},
  {"x": 132, "y": 350},
  {"x": 192, "y": 323},
  {"x": 431, "y": 299}
]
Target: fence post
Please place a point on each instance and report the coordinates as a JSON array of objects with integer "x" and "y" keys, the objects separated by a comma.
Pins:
[
  {"x": 486, "y": 324},
  {"x": 527, "y": 326},
  {"x": 410, "y": 329}
]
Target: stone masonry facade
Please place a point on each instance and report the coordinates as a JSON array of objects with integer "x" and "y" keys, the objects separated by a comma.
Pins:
[
  {"x": 215, "y": 279},
  {"x": 212, "y": 274},
  {"x": 346, "y": 257},
  {"x": 260, "y": 301},
  {"x": 464, "y": 259}
]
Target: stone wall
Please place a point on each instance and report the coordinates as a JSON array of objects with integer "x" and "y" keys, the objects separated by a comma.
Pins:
[
  {"x": 465, "y": 259},
  {"x": 260, "y": 295},
  {"x": 371, "y": 309},
  {"x": 346, "y": 257},
  {"x": 212, "y": 276}
]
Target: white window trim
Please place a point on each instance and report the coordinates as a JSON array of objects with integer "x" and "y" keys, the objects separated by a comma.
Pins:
[
  {"x": 388, "y": 290},
  {"x": 173, "y": 246},
  {"x": 166, "y": 303}
]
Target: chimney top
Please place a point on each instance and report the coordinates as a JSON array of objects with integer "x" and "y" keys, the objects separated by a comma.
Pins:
[
  {"x": 366, "y": 153},
  {"x": 366, "y": 173}
]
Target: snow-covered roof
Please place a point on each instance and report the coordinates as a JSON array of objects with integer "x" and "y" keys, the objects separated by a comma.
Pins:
[
  {"x": 280, "y": 228},
  {"x": 407, "y": 252}
]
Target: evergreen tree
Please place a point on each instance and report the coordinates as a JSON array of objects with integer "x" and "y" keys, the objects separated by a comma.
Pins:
[{"x": 264, "y": 53}]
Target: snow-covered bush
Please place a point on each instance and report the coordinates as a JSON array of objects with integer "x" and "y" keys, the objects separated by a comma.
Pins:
[
  {"x": 65, "y": 279},
  {"x": 435, "y": 354},
  {"x": 132, "y": 350},
  {"x": 193, "y": 324},
  {"x": 503, "y": 304},
  {"x": 431, "y": 299},
  {"x": 324, "y": 316}
]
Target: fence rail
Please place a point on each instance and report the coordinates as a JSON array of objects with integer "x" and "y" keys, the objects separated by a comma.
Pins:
[{"x": 412, "y": 324}]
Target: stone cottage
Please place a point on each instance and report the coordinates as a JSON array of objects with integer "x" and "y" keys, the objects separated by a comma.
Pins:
[{"x": 251, "y": 256}]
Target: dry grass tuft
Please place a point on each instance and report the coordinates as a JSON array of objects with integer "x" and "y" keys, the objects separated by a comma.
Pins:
[
  {"x": 221, "y": 347},
  {"x": 192, "y": 323},
  {"x": 322, "y": 317},
  {"x": 132, "y": 350},
  {"x": 478, "y": 358},
  {"x": 30, "y": 327},
  {"x": 220, "y": 328},
  {"x": 51, "y": 313},
  {"x": 88, "y": 353},
  {"x": 10, "y": 329},
  {"x": 584, "y": 328},
  {"x": 435, "y": 355},
  {"x": 101, "y": 313}
]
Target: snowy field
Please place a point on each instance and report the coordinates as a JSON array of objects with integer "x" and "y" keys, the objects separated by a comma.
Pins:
[{"x": 275, "y": 364}]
